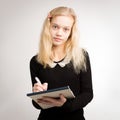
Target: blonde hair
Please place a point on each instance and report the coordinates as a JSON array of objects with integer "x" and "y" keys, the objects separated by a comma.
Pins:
[{"x": 74, "y": 53}]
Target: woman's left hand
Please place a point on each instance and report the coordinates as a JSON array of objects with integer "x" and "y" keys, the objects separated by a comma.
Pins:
[{"x": 56, "y": 102}]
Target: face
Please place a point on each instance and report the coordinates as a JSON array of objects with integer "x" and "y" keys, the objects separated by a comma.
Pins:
[{"x": 60, "y": 29}]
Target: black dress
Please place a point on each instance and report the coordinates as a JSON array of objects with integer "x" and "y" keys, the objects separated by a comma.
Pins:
[{"x": 57, "y": 76}]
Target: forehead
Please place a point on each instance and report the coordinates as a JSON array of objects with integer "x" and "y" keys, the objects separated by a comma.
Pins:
[{"x": 63, "y": 21}]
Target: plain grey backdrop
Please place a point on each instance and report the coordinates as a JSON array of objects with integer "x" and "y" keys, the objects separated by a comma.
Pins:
[{"x": 20, "y": 26}]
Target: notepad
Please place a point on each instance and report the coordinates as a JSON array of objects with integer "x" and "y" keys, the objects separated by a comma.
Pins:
[{"x": 55, "y": 93}]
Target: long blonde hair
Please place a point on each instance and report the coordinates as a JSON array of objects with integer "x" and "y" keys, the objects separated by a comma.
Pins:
[{"x": 73, "y": 51}]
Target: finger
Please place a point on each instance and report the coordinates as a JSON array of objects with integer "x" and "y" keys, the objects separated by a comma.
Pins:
[
  {"x": 37, "y": 89},
  {"x": 45, "y": 86},
  {"x": 62, "y": 98},
  {"x": 45, "y": 102},
  {"x": 39, "y": 86},
  {"x": 53, "y": 101}
]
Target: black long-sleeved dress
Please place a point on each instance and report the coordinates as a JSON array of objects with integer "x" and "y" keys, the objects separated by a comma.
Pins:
[{"x": 57, "y": 76}]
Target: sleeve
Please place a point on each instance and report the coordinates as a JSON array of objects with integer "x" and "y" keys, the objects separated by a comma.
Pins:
[
  {"x": 34, "y": 72},
  {"x": 86, "y": 91}
]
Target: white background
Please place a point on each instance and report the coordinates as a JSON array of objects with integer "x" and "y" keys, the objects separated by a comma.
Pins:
[{"x": 20, "y": 25}]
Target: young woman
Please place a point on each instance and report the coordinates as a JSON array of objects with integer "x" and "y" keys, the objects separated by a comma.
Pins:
[{"x": 61, "y": 62}]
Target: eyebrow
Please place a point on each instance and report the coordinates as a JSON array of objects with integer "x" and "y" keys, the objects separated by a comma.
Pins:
[{"x": 61, "y": 26}]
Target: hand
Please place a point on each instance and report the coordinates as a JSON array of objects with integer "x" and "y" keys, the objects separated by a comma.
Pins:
[
  {"x": 40, "y": 87},
  {"x": 55, "y": 102}
]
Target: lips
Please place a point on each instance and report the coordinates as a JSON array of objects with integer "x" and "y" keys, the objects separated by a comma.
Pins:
[{"x": 57, "y": 39}]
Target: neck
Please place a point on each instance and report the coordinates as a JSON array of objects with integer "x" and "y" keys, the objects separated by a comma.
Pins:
[{"x": 58, "y": 53}]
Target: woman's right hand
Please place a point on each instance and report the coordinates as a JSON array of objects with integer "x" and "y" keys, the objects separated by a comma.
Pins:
[{"x": 40, "y": 87}]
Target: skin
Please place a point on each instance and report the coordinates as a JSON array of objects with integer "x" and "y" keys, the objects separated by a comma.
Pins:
[{"x": 60, "y": 30}]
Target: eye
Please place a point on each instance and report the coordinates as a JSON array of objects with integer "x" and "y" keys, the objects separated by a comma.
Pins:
[
  {"x": 66, "y": 29},
  {"x": 55, "y": 26}
]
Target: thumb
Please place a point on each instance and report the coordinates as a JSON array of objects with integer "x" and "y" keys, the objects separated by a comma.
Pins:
[{"x": 45, "y": 86}]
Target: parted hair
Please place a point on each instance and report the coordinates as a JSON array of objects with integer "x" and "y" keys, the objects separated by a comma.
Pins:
[{"x": 74, "y": 52}]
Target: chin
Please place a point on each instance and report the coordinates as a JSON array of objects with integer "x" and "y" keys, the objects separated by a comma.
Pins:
[{"x": 57, "y": 43}]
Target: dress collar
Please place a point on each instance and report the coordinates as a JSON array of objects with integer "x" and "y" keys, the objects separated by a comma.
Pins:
[{"x": 61, "y": 63}]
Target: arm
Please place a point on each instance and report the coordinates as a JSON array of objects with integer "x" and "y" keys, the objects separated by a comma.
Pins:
[
  {"x": 34, "y": 73},
  {"x": 86, "y": 90}
]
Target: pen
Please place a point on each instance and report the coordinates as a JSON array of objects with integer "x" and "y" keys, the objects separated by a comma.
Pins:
[
  {"x": 38, "y": 81},
  {"x": 44, "y": 85}
]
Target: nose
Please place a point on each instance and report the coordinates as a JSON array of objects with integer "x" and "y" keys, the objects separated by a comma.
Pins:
[{"x": 59, "y": 32}]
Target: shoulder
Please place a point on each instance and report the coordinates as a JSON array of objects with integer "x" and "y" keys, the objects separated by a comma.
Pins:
[
  {"x": 86, "y": 56},
  {"x": 87, "y": 59},
  {"x": 84, "y": 52},
  {"x": 34, "y": 64},
  {"x": 33, "y": 60}
]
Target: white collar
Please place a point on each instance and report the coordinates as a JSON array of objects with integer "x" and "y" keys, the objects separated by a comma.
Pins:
[{"x": 61, "y": 64}]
